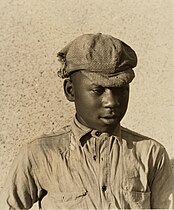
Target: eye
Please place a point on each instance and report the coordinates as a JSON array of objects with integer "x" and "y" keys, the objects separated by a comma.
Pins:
[{"x": 98, "y": 90}]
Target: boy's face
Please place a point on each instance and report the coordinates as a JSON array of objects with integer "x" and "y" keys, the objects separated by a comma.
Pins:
[{"x": 98, "y": 107}]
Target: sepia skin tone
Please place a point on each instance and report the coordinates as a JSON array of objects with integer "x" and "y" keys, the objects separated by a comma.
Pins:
[{"x": 97, "y": 107}]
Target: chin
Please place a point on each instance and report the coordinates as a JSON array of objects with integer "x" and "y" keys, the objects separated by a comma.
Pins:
[{"x": 108, "y": 128}]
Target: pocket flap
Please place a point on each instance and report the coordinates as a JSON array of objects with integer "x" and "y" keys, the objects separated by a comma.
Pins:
[{"x": 69, "y": 196}]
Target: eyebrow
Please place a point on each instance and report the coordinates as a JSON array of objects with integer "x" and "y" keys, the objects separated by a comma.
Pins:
[
  {"x": 100, "y": 86},
  {"x": 93, "y": 84}
]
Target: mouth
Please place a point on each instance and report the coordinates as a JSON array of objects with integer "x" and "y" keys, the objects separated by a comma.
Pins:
[{"x": 108, "y": 119}]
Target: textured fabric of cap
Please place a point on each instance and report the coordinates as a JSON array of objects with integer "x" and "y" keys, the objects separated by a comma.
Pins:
[{"x": 99, "y": 56}]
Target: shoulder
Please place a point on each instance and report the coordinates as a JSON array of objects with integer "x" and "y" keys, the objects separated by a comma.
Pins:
[
  {"x": 148, "y": 151},
  {"x": 44, "y": 150},
  {"x": 58, "y": 140},
  {"x": 141, "y": 143}
]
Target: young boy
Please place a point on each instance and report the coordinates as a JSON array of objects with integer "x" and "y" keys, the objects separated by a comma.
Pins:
[{"x": 94, "y": 163}]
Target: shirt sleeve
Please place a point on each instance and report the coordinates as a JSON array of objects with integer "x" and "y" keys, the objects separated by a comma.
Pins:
[
  {"x": 20, "y": 190},
  {"x": 162, "y": 190}
]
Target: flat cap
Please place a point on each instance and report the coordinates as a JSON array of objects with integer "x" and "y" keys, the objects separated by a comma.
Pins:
[{"x": 102, "y": 58}]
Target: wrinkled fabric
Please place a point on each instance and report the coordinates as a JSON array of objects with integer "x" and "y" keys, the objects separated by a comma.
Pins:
[{"x": 80, "y": 168}]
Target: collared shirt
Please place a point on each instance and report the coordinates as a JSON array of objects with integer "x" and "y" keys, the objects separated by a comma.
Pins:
[{"x": 80, "y": 168}]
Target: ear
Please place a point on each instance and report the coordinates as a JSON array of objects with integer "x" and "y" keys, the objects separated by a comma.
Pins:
[{"x": 69, "y": 90}]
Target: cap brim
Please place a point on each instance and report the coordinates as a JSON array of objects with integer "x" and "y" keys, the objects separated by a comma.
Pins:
[{"x": 106, "y": 80}]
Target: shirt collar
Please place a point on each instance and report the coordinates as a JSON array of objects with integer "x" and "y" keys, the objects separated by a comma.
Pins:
[{"x": 80, "y": 130}]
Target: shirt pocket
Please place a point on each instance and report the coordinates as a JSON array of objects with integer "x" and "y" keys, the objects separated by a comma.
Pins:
[
  {"x": 69, "y": 200},
  {"x": 137, "y": 200}
]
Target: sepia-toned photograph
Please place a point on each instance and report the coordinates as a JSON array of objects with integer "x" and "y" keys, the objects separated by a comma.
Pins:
[{"x": 86, "y": 104}]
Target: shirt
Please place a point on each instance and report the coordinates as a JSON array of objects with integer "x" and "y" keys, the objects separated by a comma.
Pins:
[{"x": 80, "y": 168}]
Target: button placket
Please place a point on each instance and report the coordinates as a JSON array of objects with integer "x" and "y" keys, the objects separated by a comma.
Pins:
[
  {"x": 104, "y": 165},
  {"x": 94, "y": 149},
  {"x": 95, "y": 134}
]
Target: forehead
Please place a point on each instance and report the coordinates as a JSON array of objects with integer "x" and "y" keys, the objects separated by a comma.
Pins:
[{"x": 79, "y": 78}]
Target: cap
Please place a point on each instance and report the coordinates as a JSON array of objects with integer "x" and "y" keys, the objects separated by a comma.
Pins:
[{"x": 102, "y": 58}]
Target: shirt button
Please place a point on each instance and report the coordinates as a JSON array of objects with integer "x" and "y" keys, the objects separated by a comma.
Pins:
[
  {"x": 94, "y": 157},
  {"x": 97, "y": 133},
  {"x": 103, "y": 188}
]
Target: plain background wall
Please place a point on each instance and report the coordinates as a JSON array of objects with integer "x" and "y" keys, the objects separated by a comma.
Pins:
[{"x": 31, "y": 94}]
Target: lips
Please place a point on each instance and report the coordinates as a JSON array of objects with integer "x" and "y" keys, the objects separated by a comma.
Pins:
[
  {"x": 109, "y": 116},
  {"x": 108, "y": 119}
]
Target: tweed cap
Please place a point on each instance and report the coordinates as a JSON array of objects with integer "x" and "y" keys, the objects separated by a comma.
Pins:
[{"x": 102, "y": 58}]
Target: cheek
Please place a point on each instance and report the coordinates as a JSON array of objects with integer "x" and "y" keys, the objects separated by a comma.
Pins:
[
  {"x": 125, "y": 98},
  {"x": 124, "y": 103},
  {"x": 87, "y": 103}
]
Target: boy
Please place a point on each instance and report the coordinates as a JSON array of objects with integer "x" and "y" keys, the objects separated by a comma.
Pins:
[{"x": 94, "y": 163}]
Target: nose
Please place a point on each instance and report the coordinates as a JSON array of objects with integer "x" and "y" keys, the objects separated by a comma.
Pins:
[{"x": 110, "y": 99}]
